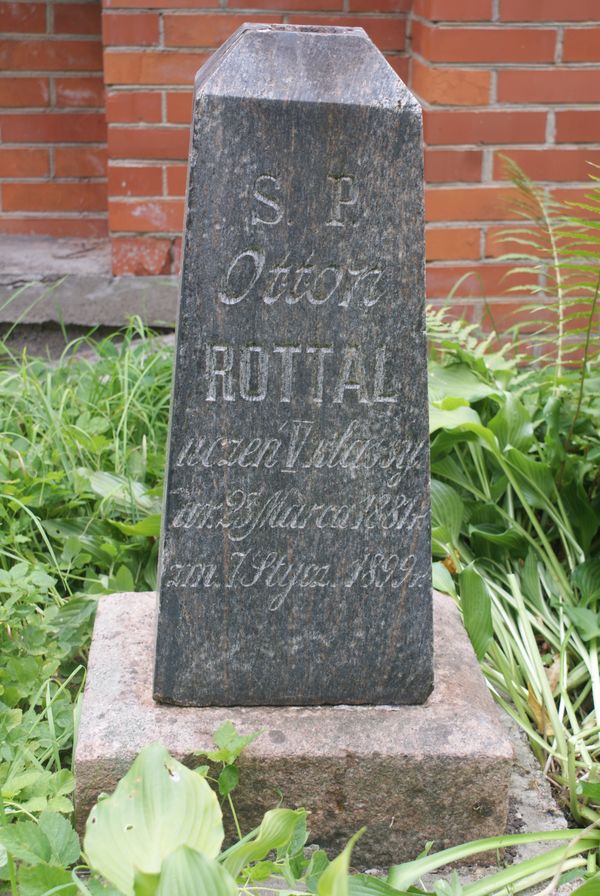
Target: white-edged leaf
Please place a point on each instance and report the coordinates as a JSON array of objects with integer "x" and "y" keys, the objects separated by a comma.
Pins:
[
  {"x": 335, "y": 879},
  {"x": 158, "y": 806}
]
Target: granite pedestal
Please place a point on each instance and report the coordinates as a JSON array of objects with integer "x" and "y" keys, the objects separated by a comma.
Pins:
[{"x": 439, "y": 771}]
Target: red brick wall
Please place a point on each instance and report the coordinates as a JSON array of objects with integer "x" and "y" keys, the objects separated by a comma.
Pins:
[
  {"x": 519, "y": 77},
  {"x": 150, "y": 61},
  {"x": 52, "y": 125}
]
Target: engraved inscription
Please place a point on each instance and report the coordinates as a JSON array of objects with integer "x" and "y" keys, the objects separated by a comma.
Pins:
[
  {"x": 297, "y": 445},
  {"x": 337, "y": 376}
]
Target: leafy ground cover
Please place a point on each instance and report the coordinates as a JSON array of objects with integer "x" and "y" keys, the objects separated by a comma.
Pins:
[{"x": 516, "y": 539}]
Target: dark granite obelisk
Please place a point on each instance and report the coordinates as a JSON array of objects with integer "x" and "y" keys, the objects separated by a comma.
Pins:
[{"x": 295, "y": 562}]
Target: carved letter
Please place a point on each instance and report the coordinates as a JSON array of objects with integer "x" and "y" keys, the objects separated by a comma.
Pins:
[
  {"x": 276, "y": 214},
  {"x": 379, "y": 393},
  {"x": 352, "y": 377},
  {"x": 213, "y": 370},
  {"x": 345, "y": 193},
  {"x": 320, "y": 369},
  {"x": 262, "y": 374},
  {"x": 229, "y": 296},
  {"x": 287, "y": 369}
]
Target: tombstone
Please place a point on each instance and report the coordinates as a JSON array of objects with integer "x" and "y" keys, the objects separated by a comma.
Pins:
[
  {"x": 295, "y": 563},
  {"x": 295, "y": 560}
]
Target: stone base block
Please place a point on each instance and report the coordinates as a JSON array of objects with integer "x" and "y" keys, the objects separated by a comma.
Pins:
[{"x": 439, "y": 772}]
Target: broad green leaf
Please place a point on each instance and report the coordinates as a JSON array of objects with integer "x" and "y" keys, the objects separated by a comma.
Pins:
[
  {"x": 486, "y": 534},
  {"x": 122, "y": 581},
  {"x": 442, "y": 580},
  {"x": 315, "y": 868},
  {"x": 124, "y": 492},
  {"x": 586, "y": 577},
  {"x": 189, "y": 873},
  {"x": 457, "y": 381},
  {"x": 447, "y": 511},
  {"x": 463, "y": 419},
  {"x": 41, "y": 879},
  {"x": 533, "y": 478},
  {"x": 158, "y": 806},
  {"x": 365, "y": 885},
  {"x": 275, "y": 832},
  {"x": 335, "y": 879},
  {"x": 476, "y": 609},
  {"x": 149, "y": 526},
  {"x": 591, "y": 790},
  {"x": 587, "y": 622},
  {"x": 530, "y": 580},
  {"x": 230, "y": 743},
  {"x": 512, "y": 424},
  {"x": 63, "y": 840},
  {"x": 591, "y": 887},
  {"x": 26, "y": 842}
]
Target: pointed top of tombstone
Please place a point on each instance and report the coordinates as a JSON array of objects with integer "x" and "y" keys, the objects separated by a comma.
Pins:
[{"x": 304, "y": 63}]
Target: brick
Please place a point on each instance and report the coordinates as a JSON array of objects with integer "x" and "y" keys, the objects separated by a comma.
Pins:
[
  {"x": 176, "y": 180},
  {"x": 400, "y": 64},
  {"x": 130, "y": 106},
  {"x": 179, "y": 107},
  {"x": 387, "y": 33},
  {"x": 76, "y": 162},
  {"x": 471, "y": 280},
  {"x": 578, "y": 126},
  {"x": 53, "y": 197},
  {"x": 466, "y": 45},
  {"x": 53, "y": 127},
  {"x": 452, "y": 243},
  {"x": 146, "y": 215},
  {"x": 299, "y": 5},
  {"x": 22, "y": 18},
  {"x": 549, "y": 86},
  {"x": 76, "y": 226},
  {"x": 450, "y": 86},
  {"x": 148, "y": 143},
  {"x": 548, "y": 11},
  {"x": 469, "y": 203},
  {"x": 151, "y": 67},
  {"x": 379, "y": 5},
  {"x": 443, "y": 165},
  {"x": 51, "y": 55},
  {"x": 484, "y": 126},
  {"x": 135, "y": 180},
  {"x": 79, "y": 93},
  {"x": 550, "y": 164},
  {"x": 161, "y": 4},
  {"x": 141, "y": 257},
  {"x": 582, "y": 45},
  {"x": 77, "y": 18},
  {"x": 130, "y": 29},
  {"x": 206, "y": 30},
  {"x": 454, "y": 10},
  {"x": 23, "y": 92},
  {"x": 24, "y": 162}
]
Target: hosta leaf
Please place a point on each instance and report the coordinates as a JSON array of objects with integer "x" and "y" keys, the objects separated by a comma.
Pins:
[
  {"x": 364, "y": 885},
  {"x": 512, "y": 424},
  {"x": 533, "y": 478},
  {"x": 149, "y": 526},
  {"x": 442, "y": 580},
  {"x": 335, "y": 879},
  {"x": 447, "y": 510},
  {"x": 275, "y": 832},
  {"x": 457, "y": 381},
  {"x": 189, "y": 873},
  {"x": 158, "y": 806},
  {"x": 463, "y": 419},
  {"x": 591, "y": 887},
  {"x": 476, "y": 609},
  {"x": 586, "y": 577}
]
